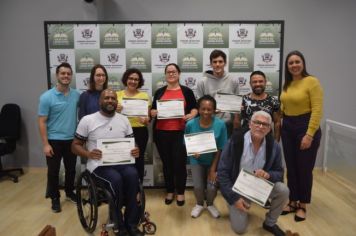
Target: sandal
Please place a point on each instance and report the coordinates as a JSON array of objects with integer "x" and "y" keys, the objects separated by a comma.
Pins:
[
  {"x": 298, "y": 218},
  {"x": 291, "y": 209}
]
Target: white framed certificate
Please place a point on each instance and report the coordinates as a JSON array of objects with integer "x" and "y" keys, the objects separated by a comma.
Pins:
[
  {"x": 202, "y": 142},
  {"x": 170, "y": 109},
  {"x": 253, "y": 188},
  {"x": 228, "y": 102},
  {"x": 116, "y": 151},
  {"x": 134, "y": 107}
]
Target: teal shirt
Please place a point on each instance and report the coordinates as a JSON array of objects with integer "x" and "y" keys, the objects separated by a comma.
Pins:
[
  {"x": 61, "y": 112},
  {"x": 220, "y": 133}
]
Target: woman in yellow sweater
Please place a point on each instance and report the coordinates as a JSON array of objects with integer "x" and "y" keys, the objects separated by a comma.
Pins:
[
  {"x": 302, "y": 103},
  {"x": 133, "y": 81}
]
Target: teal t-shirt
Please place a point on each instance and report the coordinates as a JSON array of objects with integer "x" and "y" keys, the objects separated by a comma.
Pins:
[
  {"x": 220, "y": 133},
  {"x": 61, "y": 112}
]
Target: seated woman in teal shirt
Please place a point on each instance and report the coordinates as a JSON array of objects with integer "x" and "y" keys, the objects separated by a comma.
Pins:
[{"x": 204, "y": 166}]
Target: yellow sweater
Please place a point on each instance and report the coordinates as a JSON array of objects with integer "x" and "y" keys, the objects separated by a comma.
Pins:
[
  {"x": 304, "y": 96},
  {"x": 134, "y": 121}
]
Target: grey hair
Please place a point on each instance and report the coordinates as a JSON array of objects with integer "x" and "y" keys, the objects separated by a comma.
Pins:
[{"x": 262, "y": 113}]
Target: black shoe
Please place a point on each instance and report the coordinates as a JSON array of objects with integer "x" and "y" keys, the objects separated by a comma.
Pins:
[
  {"x": 267, "y": 205},
  {"x": 135, "y": 232},
  {"x": 71, "y": 197},
  {"x": 275, "y": 230},
  {"x": 168, "y": 201},
  {"x": 123, "y": 232},
  {"x": 56, "y": 205},
  {"x": 180, "y": 203},
  {"x": 298, "y": 218}
]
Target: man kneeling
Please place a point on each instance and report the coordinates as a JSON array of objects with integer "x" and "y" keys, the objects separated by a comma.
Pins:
[
  {"x": 118, "y": 179},
  {"x": 254, "y": 150}
]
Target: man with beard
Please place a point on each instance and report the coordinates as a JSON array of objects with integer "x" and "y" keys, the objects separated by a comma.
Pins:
[
  {"x": 57, "y": 120},
  {"x": 121, "y": 180},
  {"x": 259, "y": 100},
  {"x": 255, "y": 151}
]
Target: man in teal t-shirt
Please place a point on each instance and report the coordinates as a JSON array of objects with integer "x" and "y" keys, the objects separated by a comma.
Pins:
[{"x": 57, "y": 120}]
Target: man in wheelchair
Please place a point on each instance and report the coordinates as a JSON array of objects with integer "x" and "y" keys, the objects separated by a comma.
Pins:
[{"x": 120, "y": 180}]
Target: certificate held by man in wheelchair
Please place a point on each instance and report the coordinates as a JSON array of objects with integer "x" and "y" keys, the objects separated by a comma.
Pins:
[{"x": 116, "y": 151}]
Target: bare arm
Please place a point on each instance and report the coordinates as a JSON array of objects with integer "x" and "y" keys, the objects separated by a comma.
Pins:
[
  {"x": 191, "y": 115},
  {"x": 277, "y": 125},
  {"x": 78, "y": 149},
  {"x": 42, "y": 124},
  {"x": 237, "y": 121}
]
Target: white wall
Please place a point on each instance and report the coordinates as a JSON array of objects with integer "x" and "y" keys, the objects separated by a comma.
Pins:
[{"x": 323, "y": 30}]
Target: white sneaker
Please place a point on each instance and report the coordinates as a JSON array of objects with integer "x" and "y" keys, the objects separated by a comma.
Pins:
[
  {"x": 213, "y": 211},
  {"x": 197, "y": 210}
]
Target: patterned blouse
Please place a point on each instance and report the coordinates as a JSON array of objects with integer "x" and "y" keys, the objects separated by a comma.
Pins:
[{"x": 270, "y": 105}]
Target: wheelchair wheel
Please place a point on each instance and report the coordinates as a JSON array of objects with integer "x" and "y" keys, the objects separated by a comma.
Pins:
[
  {"x": 142, "y": 204},
  {"x": 149, "y": 228},
  {"x": 87, "y": 203}
]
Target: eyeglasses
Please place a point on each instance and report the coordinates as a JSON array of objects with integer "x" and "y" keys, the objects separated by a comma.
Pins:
[
  {"x": 258, "y": 123},
  {"x": 171, "y": 72},
  {"x": 133, "y": 79}
]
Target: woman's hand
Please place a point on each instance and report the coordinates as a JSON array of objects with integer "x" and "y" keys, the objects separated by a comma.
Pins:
[
  {"x": 212, "y": 176},
  {"x": 144, "y": 120},
  {"x": 306, "y": 142},
  {"x": 153, "y": 113},
  {"x": 119, "y": 107}
]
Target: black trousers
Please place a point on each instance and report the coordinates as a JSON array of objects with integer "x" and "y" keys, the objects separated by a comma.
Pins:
[
  {"x": 61, "y": 149},
  {"x": 141, "y": 138},
  {"x": 171, "y": 149},
  {"x": 122, "y": 182},
  {"x": 300, "y": 163}
]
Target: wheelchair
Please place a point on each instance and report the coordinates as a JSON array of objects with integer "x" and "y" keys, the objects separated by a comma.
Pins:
[{"x": 90, "y": 195}]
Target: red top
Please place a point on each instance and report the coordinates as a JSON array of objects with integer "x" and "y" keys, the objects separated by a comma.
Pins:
[{"x": 172, "y": 124}]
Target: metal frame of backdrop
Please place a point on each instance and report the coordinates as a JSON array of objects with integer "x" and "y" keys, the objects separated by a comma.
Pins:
[{"x": 149, "y": 46}]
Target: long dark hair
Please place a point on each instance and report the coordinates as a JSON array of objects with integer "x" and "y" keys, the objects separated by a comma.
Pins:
[
  {"x": 92, "y": 81},
  {"x": 287, "y": 75}
]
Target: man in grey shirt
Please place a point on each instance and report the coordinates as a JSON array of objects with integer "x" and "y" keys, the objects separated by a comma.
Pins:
[{"x": 218, "y": 81}]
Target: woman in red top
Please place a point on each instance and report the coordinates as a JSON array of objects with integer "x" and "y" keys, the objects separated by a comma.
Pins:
[{"x": 168, "y": 134}]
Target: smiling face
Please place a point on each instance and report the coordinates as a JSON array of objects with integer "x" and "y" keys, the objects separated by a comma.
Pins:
[
  {"x": 258, "y": 84},
  {"x": 133, "y": 81},
  {"x": 259, "y": 126},
  {"x": 218, "y": 65},
  {"x": 172, "y": 75},
  {"x": 99, "y": 78},
  {"x": 108, "y": 102},
  {"x": 206, "y": 109},
  {"x": 295, "y": 65},
  {"x": 64, "y": 76}
]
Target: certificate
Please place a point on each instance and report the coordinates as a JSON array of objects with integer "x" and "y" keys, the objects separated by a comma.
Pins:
[
  {"x": 228, "y": 102},
  {"x": 203, "y": 142},
  {"x": 170, "y": 109},
  {"x": 254, "y": 188},
  {"x": 116, "y": 151},
  {"x": 134, "y": 107}
]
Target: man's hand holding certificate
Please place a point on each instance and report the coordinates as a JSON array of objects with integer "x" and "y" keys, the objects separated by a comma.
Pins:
[
  {"x": 228, "y": 102},
  {"x": 170, "y": 109},
  {"x": 198, "y": 143},
  {"x": 116, "y": 151},
  {"x": 256, "y": 189},
  {"x": 133, "y": 107}
]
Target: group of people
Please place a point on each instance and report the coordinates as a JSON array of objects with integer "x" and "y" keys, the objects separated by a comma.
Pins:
[{"x": 249, "y": 140}]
